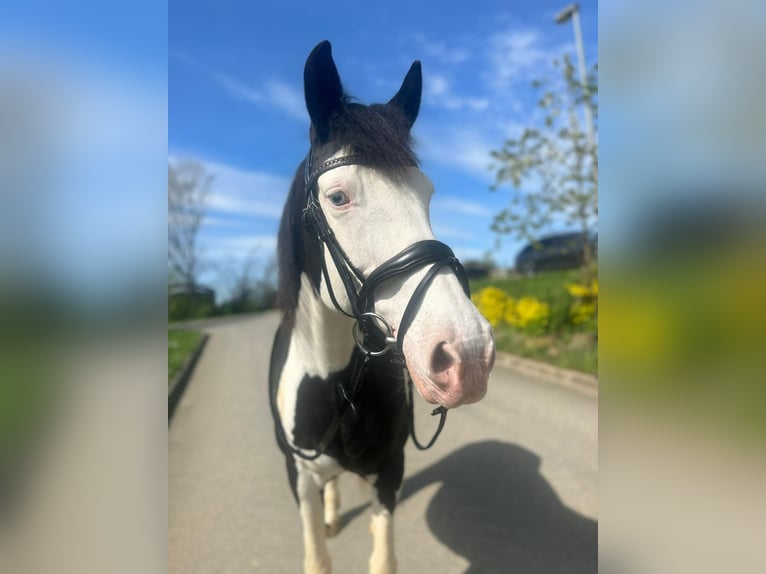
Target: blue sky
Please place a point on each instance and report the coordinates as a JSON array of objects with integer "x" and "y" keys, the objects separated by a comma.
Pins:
[{"x": 235, "y": 100}]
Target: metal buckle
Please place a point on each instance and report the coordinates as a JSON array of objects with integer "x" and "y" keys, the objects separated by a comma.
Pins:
[{"x": 359, "y": 335}]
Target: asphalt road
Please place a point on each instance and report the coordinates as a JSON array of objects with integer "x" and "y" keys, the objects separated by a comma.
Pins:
[{"x": 509, "y": 487}]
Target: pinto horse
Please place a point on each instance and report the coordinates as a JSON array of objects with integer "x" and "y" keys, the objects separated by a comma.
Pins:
[{"x": 371, "y": 302}]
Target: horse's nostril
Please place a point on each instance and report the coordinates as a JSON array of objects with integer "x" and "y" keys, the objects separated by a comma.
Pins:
[{"x": 441, "y": 359}]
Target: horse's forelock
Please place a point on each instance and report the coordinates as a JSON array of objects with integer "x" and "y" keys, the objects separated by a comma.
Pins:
[{"x": 378, "y": 135}]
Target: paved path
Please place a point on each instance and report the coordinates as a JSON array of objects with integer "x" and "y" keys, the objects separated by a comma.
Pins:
[{"x": 510, "y": 487}]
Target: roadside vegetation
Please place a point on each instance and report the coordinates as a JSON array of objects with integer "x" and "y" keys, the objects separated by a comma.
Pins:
[
  {"x": 551, "y": 317},
  {"x": 181, "y": 345}
]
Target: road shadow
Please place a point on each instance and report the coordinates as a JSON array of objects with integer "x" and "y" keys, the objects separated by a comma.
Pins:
[
  {"x": 349, "y": 515},
  {"x": 496, "y": 510}
]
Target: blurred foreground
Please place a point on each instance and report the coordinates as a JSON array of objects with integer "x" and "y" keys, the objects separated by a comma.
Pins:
[
  {"x": 83, "y": 160},
  {"x": 683, "y": 275}
]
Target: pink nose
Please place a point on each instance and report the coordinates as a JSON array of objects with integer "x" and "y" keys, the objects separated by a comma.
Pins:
[{"x": 460, "y": 374}]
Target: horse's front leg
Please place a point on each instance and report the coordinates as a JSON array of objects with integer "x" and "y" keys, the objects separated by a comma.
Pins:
[
  {"x": 383, "y": 559},
  {"x": 316, "y": 558},
  {"x": 384, "y": 493},
  {"x": 331, "y": 507}
]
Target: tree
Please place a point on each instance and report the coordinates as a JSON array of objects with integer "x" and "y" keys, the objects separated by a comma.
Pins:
[
  {"x": 553, "y": 168},
  {"x": 188, "y": 187},
  {"x": 250, "y": 290}
]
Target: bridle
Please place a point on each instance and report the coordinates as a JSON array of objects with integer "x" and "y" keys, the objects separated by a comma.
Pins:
[{"x": 372, "y": 333}]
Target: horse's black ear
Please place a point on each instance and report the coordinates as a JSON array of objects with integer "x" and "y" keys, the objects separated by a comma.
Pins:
[
  {"x": 322, "y": 87},
  {"x": 408, "y": 96}
]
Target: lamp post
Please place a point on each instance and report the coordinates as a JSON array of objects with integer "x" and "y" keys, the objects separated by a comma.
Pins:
[{"x": 573, "y": 12}]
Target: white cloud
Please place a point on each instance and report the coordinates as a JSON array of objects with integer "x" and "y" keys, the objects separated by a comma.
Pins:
[
  {"x": 513, "y": 54},
  {"x": 461, "y": 206},
  {"x": 238, "y": 89},
  {"x": 217, "y": 222},
  {"x": 460, "y": 103},
  {"x": 437, "y": 85},
  {"x": 439, "y": 93},
  {"x": 446, "y": 232},
  {"x": 462, "y": 147},
  {"x": 441, "y": 51},
  {"x": 240, "y": 247},
  {"x": 512, "y": 58},
  {"x": 273, "y": 93},
  {"x": 237, "y": 191},
  {"x": 287, "y": 99}
]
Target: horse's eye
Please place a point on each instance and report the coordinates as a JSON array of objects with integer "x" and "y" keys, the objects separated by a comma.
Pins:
[{"x": 339, "y": 198}]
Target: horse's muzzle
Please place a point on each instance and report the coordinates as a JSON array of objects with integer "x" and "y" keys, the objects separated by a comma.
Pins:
[{"x": 457, "y": 373}]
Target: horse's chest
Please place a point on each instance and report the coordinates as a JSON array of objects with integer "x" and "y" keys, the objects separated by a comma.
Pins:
[{"x": 364, "y": 434}]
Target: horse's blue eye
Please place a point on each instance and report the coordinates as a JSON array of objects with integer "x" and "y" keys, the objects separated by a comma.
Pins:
[{"x": 339, "y": 198}]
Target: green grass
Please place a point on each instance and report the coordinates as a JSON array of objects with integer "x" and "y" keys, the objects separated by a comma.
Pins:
[
  {"x": 564, "y": 351},
  {"x": 181, "y": 344},
  {"x": 548, "y": 286},
  {"x": 566, "y": 346}
]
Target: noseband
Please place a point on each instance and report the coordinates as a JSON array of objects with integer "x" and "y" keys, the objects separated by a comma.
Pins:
[{"x": 372, "y": 333}]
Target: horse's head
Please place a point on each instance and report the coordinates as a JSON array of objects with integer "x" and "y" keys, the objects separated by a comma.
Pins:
[{"x": 376, "y": 206}]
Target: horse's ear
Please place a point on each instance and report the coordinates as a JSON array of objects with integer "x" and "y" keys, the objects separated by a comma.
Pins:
[
  {"x": 322, "y": 88},
  {"x": 408, "y": 97}
]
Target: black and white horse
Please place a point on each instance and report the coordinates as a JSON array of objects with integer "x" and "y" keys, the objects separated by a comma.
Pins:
[{"x": 370, "y": 301}]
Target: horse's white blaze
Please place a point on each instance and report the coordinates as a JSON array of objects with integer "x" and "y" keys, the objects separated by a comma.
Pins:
[{"x": 382, "y": 218}]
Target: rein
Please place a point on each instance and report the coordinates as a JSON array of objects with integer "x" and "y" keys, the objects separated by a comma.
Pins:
[{"x": 372, "y": 333}]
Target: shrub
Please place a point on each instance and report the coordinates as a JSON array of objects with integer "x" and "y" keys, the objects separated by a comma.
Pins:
[
  {"x": 525, "y": 314},
  {"x": 584, "y": 309},
  {"x": 491, "y": 303}
]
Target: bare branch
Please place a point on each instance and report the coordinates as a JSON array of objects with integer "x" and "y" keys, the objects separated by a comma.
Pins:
[{"x": 188, "y": 188}]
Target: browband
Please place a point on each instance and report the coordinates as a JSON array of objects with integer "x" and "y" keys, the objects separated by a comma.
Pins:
[{"x": 310, "y": 177}]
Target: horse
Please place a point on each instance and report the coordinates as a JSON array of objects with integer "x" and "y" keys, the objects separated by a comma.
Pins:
[{"x": 371, "y": 302}]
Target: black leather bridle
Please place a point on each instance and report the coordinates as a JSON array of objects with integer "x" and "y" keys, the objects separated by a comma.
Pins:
[{"x": 372, "y": 333}]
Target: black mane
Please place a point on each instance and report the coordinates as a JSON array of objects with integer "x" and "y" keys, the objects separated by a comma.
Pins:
[{"x": 379, "y": 135}]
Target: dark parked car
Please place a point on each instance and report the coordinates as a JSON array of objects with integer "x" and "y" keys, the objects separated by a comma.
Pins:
[{"x": 562, "y": 251}]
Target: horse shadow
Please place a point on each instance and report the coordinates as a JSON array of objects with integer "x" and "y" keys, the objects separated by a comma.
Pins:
[{"x": 495, "y": 509}]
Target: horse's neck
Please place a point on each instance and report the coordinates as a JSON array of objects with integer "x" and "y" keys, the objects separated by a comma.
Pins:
[{"x": 322, "y": 338}]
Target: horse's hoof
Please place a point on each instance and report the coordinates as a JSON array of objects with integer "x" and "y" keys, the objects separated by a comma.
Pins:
[{"x": 332, "y": 529}]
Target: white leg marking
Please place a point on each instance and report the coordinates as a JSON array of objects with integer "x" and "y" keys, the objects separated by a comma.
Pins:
[
  {"x": 383, "y": 559},
  {"x": 316, "y": 558},
  {"x": 331, "y": 506}
]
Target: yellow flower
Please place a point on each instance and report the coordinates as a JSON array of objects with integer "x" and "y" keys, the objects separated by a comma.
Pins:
[
  {"x": 583, "y": 291},
  {"x": 528, "y": 312},
  {"x": 491, "y": 303},
  {"x": 579, "y": 291},
  {"x": 586, "y": 305},
  {"x": 582, "y": 312}
]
